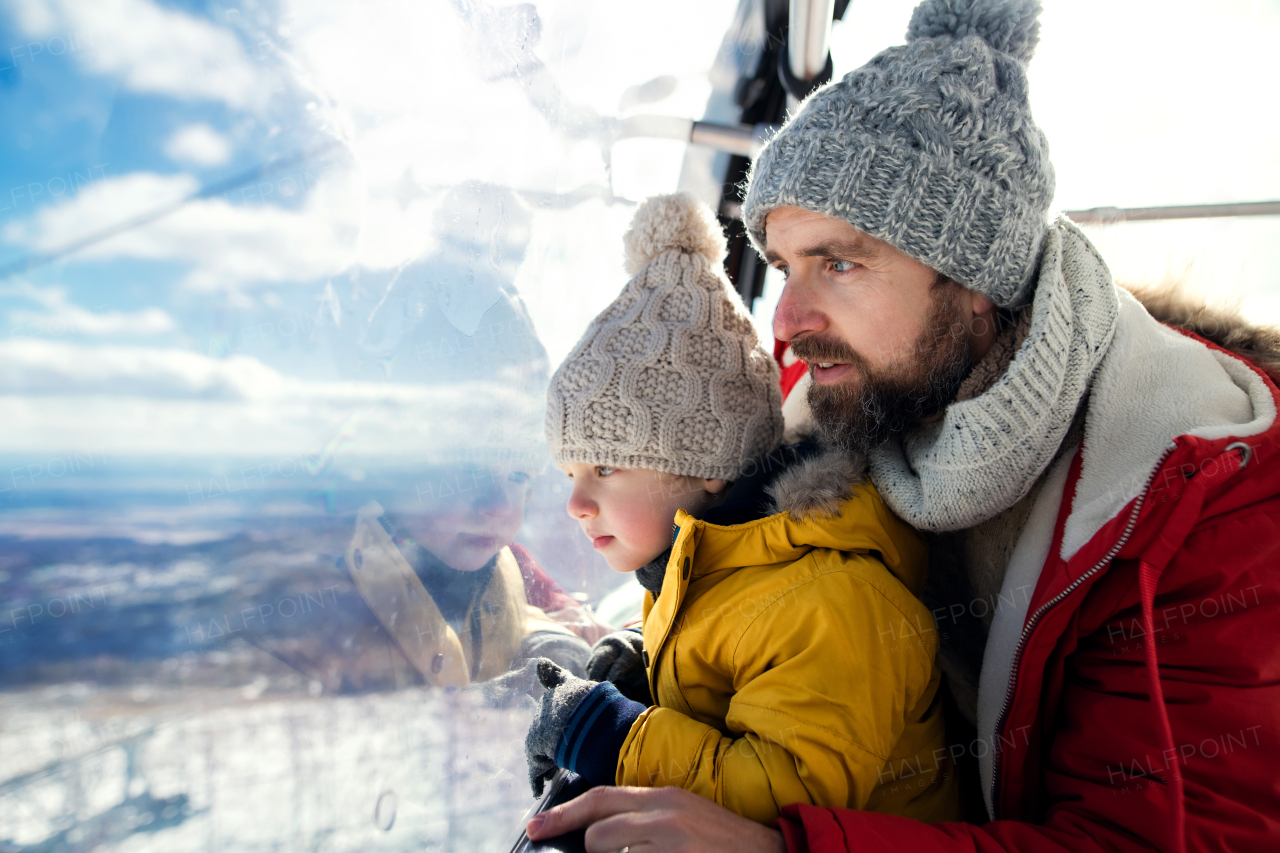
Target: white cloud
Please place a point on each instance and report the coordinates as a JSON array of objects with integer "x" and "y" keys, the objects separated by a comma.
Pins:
[
  {"x": 373, "y": 208},
  {"x": 199, "y": 145},
  {"x": 29, "y": 366},
  {"x": 97, "y": 205},
  {"x": 131, "y": 400},
  {"x": 150, "y": 48},
  {"x": 566, "y": 282},
  {"x": 228, "y": 244},
  {"x": 366, "y": 60},
  {"x": 62, "y": 317}
]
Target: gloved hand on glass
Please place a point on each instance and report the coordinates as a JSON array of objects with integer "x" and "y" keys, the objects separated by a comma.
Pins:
[{"x": 580, "y": 727}]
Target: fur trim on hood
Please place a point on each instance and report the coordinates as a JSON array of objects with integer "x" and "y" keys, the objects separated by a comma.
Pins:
[
  {"x": 1174, "y": 306},
  {"x": 818, "y": 485}
]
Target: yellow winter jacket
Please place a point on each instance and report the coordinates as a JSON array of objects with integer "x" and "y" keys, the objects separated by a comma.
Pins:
[{"x": 791, "y": 662}]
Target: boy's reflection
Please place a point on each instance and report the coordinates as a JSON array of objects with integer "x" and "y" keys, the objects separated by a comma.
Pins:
[
  {"x": 467, "y": 514},
  {"x": 434, "y": 591},
  {"x": 445, "y": 584},
  {"x": 432, "y": 588}
]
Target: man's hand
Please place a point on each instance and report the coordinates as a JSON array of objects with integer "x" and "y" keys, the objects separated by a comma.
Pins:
[{"x": 655, "y": 820}]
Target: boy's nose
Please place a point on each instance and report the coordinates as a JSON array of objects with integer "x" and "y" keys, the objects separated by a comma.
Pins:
[{"x": 580, "y": 507}]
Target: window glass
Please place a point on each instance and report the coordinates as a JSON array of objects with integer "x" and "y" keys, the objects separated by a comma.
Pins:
[{"x": 283, "y": 284}]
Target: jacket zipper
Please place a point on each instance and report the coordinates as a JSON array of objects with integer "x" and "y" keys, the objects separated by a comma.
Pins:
[{"x": 1049, "y": 605}]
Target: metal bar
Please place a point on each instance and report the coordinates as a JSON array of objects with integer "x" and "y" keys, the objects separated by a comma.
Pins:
[
  {"x": 748, "y": 274},
  {"x": 733, "y": 138},
  {"x": 654, "y": 127},
  {"x": 808, "y": 36},
  {"x": 1103, "y": 215},
  {"x": 745, "y": 140}
]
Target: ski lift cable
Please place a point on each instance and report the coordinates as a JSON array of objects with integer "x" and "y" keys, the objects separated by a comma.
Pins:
[
  {"x": 1108, "y": 215},
  {"x": 40, "y": 259}
]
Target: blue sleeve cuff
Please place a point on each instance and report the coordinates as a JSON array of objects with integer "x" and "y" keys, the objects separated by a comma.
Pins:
[{"x": 592, "y": 741}]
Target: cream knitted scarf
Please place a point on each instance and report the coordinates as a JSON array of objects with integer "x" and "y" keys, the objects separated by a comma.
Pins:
[{"x": 985, "y": 454}]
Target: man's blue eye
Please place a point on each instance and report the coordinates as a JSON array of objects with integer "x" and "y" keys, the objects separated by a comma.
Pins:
[{"x": 842, "y": 266}]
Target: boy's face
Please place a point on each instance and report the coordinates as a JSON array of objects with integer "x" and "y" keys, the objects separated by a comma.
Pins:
[
  {"x": 627, "y": 513},
  {"x": 467, "y": 514}
]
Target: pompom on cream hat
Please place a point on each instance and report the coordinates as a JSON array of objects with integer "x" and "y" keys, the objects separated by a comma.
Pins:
[{"x": 671, "y": 376}]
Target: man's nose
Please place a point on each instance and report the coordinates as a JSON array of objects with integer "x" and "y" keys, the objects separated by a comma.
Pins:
[
  {"x": 580, "y": 506},
  {"x": 798, "y": 310}
]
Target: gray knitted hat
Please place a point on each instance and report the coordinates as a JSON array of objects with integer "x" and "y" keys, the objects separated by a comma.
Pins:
[
  {"x": 671, "y": 376},
  {"x": 930, "y": 147}
]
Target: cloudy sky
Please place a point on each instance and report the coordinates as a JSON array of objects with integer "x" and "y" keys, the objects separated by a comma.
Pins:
[{"x": 228, "y": 327}]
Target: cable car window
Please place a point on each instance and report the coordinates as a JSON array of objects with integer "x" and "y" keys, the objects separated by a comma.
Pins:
[{"x": 282, "y": 285}]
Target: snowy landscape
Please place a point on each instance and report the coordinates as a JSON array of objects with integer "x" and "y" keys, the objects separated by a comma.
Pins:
[{"x": 137, "y": 714}]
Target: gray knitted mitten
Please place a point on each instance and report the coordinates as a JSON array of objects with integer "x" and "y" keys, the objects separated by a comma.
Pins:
[
  {"x": 618, "y": 657},
  {"x": 566, "y": 650},
  {"x": 517, "y": 688},
  {"x": 564, "y": 692}
]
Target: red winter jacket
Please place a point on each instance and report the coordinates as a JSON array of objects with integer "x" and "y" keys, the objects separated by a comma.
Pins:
[{"x": 1140, "y": 706}]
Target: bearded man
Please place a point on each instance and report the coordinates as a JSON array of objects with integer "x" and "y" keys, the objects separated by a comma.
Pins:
[{"x": 1106, "y": 485}]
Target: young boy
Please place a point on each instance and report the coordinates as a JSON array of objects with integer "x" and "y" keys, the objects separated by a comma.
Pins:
[{"x": 784, "y": 657}]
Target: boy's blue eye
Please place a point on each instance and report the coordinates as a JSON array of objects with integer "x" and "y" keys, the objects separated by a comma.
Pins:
[
  {"x": 842, "y": 266},
  {"x": 604, "y": 471}
]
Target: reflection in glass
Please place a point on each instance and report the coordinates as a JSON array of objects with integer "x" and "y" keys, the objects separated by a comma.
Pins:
[{"x": 274, "y": 503}]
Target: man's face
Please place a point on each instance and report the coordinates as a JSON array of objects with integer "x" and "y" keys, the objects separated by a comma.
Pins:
[{"x": 888, "y": 340}]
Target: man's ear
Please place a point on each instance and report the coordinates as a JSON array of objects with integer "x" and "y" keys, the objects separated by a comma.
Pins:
[
  {"x": 714, "y": 487},
  {"x": 981, "y": 303}
]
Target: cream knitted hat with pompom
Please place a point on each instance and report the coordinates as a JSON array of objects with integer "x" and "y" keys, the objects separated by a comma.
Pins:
[{"x": 671, "y": 376}]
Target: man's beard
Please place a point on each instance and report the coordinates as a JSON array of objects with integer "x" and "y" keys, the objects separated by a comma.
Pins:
[{"x": 861, "y": 415}]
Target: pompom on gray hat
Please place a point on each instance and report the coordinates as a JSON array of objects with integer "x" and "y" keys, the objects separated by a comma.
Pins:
[
  {"x": 671, "y": 376},
  {"x": 930, "y": 147}
]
